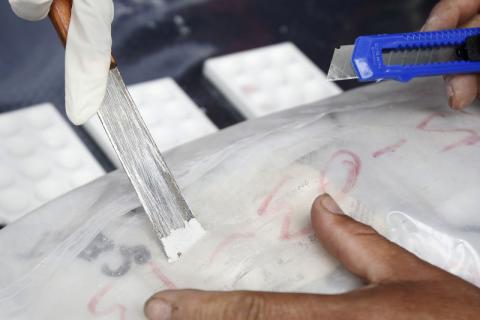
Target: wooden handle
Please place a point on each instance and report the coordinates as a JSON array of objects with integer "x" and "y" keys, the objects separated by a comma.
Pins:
[{"x": 60, "y": 14}]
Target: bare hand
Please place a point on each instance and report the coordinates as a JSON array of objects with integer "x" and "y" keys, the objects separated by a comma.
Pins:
[
  {"x": 399, "y": 285},
  {"x": 450, "y": 14}
]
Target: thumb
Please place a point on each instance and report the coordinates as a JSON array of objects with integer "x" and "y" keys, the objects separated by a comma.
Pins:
[
  {"x": 449, "y": 14},
  {"x": 243, "y": 305},
  {"x": 362, "y": 250}
]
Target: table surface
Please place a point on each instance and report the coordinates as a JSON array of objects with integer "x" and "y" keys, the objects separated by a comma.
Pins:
[{"x": 172, "y": 38}]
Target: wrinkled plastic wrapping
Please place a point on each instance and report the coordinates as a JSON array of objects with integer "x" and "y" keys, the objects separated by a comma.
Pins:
[{"x": 393, "y": 155}]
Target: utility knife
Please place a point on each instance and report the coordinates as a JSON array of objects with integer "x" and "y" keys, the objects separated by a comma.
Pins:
[{"x": 405, "y": 56}]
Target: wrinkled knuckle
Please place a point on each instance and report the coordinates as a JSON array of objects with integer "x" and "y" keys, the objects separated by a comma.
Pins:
[
  {"x": 367, "y": 230},
  {"x": 386, "y": 271},
  {"x": 359, "y": 229},
  {"x": 247, "y": 306}
]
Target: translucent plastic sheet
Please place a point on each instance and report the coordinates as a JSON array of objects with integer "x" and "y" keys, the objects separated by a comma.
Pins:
[{"x": 393, "y": 155}]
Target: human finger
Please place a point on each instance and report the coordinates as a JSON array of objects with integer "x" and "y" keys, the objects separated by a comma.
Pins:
[
  {"x": 450, "y": 14},
  {"x": 462, "y": 90},
  {"x": 243, "y": 305},
  {"x": 362, "y": 250}
]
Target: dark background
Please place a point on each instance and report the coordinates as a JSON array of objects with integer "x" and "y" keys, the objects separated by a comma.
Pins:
[{"x": 171, "y": 38}]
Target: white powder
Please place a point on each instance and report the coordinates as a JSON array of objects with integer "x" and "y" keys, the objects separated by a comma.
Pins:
[{"x": 180, "y": 240}]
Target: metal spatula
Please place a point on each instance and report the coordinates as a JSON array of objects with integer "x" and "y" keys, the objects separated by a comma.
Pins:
[{"x": 155, "y": 185}]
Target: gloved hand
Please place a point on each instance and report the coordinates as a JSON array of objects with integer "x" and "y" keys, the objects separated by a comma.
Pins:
[
  {"x": 449, "y": 14},
  {"x": 87, "y": 55}
]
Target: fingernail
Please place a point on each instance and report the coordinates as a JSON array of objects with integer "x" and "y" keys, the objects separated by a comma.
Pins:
[
  {"x": 330, "y": 204},
  {"x": 450, "y": 92},
  {"x": 158, "y": 309}
]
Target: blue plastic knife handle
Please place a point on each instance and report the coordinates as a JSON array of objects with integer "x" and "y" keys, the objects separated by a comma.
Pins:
[{"x": 368, "y": 63}]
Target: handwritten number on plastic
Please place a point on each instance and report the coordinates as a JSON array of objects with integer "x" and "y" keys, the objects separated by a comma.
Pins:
[
  {"x": 129, "y": 255},
  {"x": 138, "y": 254},
  {"x": 98, "y": 246},
  {"x": 472, "y": 137},
  {"x": 353, "y": 165}
]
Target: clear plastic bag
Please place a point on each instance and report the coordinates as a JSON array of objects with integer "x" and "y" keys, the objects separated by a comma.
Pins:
[{"x": 393, "y": 155}]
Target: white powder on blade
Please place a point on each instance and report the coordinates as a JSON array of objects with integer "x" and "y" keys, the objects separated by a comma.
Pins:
[{"x": 180, "y": 240}]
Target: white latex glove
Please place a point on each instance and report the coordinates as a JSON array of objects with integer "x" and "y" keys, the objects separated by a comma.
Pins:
[{"x": 87, "y": 55}]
